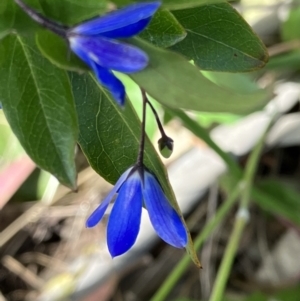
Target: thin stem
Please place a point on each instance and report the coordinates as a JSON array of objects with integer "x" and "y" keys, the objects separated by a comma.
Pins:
[
  {"x": 184, "y": 263},
  {"x": 140, "y": 158},
  {"x": 231, "y": 249},
  {"x": 161, "y": 129},
  {"x": 251, "y": 167},
  {"x": 283, "y": 47},
  {"x": 42, "y": 20}
]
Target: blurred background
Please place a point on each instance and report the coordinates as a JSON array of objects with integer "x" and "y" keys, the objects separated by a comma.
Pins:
[{"x": 46, "y": 253}]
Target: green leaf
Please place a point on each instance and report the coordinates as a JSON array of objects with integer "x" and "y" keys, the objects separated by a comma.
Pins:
[
  {"x": 279, "y": 199},
  {"x": 173, "y": 4},
  {"x": 3, "y": 6},
  {"x": 285, "y": 61},
  {"x": 7, "y": 16},
  {"x": 173, "y": 81},
  {"x": 240, "y": 83},
  {"x": 183, "y": 299},
  {"x": 164, "y": 30},
  {"x": 23, "y": 24},
  {"x": 257, "y": 296},
  {"x": 179, "y": 4},
  {"x": 56, "y": 50},
  {"x": 38, "y": 104},
  {"x": 289, "y": 294},
  {"x": 209, "y": 120},
  {"x": 73, "y": 11},
  {"x": 2, "y": 54},
  {"x": 219, "y": 39},
  {"x": 290, "y": 28},
  {"x": 109, "y": 136}
]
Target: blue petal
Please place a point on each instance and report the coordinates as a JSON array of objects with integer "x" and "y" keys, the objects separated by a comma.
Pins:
[
  {"x": 111, "y": 82},
  {"x": 128, "y": 15},
  {"x": 97, "y": 215},
  {"x": 124, "y": 221},
  {"x": 109, "y": 54},
  {"x": 127, "y": 31},
  {"x": 164, "y": 218}
]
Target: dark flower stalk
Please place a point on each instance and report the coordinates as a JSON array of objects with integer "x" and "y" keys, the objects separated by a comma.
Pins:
[
  {"x": 165, "y": 143},
  {"x": 140, "y": 158},
  {"x": 57, "y": 28}
]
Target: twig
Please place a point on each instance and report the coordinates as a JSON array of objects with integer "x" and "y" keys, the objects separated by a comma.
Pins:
[
  {"x": 44, "y": 260},
  {"x": 21, "y": 271},
  {"x": 283, "y": 47}
]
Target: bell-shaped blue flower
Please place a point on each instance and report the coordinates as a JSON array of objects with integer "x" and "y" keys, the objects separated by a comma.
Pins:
[
  {"x": 95, "y": 43},
  {"x": 135, "y": 188}
]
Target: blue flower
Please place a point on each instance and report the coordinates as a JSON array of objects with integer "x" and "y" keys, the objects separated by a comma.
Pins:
[
  {"x": 94, "y": 42},
  {"x": 137, "y": 187}
]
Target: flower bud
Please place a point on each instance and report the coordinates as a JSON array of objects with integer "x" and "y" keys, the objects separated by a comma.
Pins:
[{"x": 165, "y": 145}]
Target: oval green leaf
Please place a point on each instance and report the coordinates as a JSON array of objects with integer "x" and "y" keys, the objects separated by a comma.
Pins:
[
  {"x": 219, "y": 39},
  {"x": 279, "y": 199},
  {"x": 71, "y": 12},
  {"x": 173, "y": 81},
  {"x": 239, "y": 82},
  {"x": 38, "y": 104},
  {"x": 174, "y": 4},
  {"x": 290, "y": 28},
  {"x": 164, "y": 30},
  {"x": 179, "y": 4},
  {"x": 23, "y": 24},
  {"x": 7, "y": 16},
  {"x": 56, "y": 50}
]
